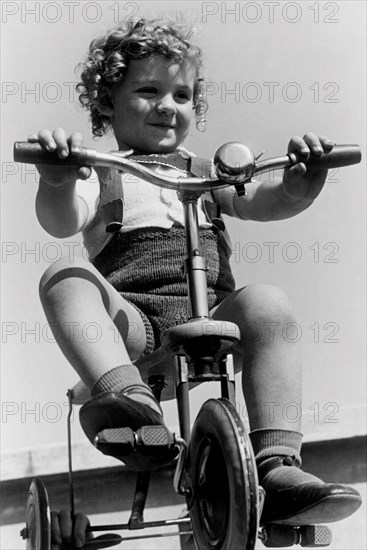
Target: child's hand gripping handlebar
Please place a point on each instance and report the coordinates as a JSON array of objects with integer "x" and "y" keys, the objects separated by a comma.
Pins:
[{"x": 235, "y": 164}]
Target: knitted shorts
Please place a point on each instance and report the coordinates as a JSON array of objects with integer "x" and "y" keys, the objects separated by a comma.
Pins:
[{"x": 145, "y": 266}]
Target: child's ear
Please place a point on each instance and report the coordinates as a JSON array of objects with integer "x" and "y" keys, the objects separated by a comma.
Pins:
[
  {"x": 107, "y": 107},
  {"x": 106, "y": 110}
]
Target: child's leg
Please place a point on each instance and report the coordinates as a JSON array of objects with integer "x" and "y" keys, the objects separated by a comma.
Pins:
[
  {"x": 75, "y": 297},
  {"x": 269, "y": 353},
  {"x": 98, "y": 331},
  {"x": 272, "y": 386}
]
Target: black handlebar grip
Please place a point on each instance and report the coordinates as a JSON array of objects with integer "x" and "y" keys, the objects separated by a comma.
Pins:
[
  {"x": 340, "y": 155},
  {"x": 34, "y": 153}
]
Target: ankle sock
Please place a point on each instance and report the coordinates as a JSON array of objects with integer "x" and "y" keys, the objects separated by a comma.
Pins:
[
  {"x": 278, "y": 460},
  {"x": 122, "y": 377},
  {"x": 270, "y": 442},
  {"x": 117, "y": 379}
]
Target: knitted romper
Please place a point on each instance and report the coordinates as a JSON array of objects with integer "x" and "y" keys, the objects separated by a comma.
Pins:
[{"x": 145, "y": 266}]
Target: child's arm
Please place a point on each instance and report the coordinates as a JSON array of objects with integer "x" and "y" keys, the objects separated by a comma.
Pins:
[
  {"x": 60, "y": 211},
  {"x": 287, "y": 197}
]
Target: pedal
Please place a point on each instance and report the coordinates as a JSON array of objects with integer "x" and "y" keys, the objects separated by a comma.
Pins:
[
  {"x": 155, "y": 437},
  {"x": 275, "y": 536},
  {"x": 313, "y": 536},
  {"x": 121, "y": 440}
]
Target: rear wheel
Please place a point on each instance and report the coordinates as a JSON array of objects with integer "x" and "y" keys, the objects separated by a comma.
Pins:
[
  {"x": 224, "y": 507},
  {"x": 38, "y": 525}
]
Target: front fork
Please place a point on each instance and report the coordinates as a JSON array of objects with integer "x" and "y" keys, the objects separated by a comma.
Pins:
[{"x": 182, "y": 378}]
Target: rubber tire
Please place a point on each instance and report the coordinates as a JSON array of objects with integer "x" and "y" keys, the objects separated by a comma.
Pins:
[
  {"x": 222, "y": 469},
  {"x": 38, "y": 521}
]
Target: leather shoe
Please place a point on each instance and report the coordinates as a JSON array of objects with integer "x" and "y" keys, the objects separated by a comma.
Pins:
[
  {"x": 305, "y": 502},
  {"x": 117, "y": 410}
]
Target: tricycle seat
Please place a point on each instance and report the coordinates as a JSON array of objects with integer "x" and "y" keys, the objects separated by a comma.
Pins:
[{"x": 160, "y": 361}]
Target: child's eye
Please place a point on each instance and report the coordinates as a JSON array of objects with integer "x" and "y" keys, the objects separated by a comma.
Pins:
[{"x": 183, "y": 96}]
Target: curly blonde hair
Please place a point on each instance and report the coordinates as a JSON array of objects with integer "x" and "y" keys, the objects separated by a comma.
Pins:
[{"x": 110, "y": 55}]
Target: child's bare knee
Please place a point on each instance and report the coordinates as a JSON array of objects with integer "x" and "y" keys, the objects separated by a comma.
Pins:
[
  {"x": 266, "y": 303},
  {"x": 62, "y": 270}
]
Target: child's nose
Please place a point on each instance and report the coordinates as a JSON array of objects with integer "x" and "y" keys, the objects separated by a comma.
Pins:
[{"x": 166, "y": 105}]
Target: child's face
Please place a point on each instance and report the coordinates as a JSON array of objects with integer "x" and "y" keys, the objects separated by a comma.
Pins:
[{"x": 152, "y": 106}]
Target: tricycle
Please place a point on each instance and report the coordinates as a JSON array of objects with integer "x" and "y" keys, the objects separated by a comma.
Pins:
[{"x": 215, "y": 470}]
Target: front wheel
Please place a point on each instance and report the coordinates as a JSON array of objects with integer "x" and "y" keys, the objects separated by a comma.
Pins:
[{"x": 224, "y": 505}]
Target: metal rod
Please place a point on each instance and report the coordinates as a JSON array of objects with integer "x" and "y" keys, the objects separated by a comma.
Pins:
[
  {"x": 179, "y": 484},
  {"x": 71, "y": 483},
  {"x": 157, "y": 535},
  {"x": 182, "y": 391},
  {"x": 119, "y": 539},
  {"x": 228, "y": 384},
  {"x": 140, "y": 497},
  {"x": 148, "y": 524},
  {"x": 191, "y": 225},
  {"x": 195, "y": 266},
  {"x": 277, "y": 163},
  {"x": 181, "y": 374}
]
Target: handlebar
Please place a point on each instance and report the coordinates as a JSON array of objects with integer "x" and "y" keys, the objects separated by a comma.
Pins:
[{"x": 235, "y": 164}]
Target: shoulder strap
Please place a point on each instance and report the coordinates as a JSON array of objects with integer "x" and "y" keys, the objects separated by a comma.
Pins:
[
  {"x": 200, "y": 167},
  {"x": 112, "y": 198},
  {"x": 212, "y": 211}
]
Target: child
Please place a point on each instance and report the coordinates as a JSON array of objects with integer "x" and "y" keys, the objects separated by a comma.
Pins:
[{"x": 143, "y": 80}]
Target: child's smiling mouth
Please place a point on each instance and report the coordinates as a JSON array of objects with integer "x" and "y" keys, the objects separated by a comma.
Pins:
[{"x": 162, "y": 125}]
